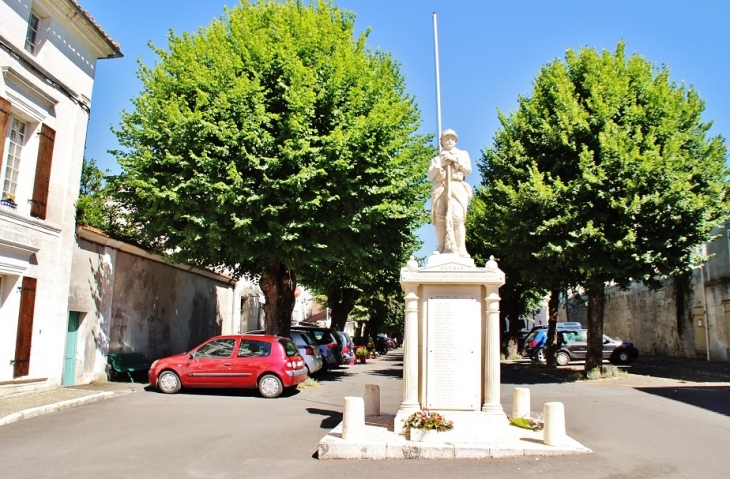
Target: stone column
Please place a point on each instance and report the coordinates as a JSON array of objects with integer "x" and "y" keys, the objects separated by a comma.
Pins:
[
  {"x": 410, "y": 403},
  {"x": 491, "y": 357}
]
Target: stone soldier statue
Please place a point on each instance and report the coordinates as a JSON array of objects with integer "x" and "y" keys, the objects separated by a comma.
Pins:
[{"x": 451, "y": 194}]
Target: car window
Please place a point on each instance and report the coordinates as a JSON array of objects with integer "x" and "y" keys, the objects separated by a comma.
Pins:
[
  {"x": 569, "y": 337},
  {"x": 321, "y": 337},
  {"x": 289, "y": 347},
  {"x": 531, "y": 336},
  {"x": 309, "y": 340},
  {"x": 253, "y": 349},
  {"x": 580, "y": 336},
  {"x": 218, "y": 348}
]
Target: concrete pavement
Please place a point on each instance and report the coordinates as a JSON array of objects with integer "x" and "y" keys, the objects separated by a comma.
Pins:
[{"x": 637, "y": 427}]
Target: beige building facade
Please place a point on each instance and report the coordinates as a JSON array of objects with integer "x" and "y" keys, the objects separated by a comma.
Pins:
[{"x": 49, "y": 51}]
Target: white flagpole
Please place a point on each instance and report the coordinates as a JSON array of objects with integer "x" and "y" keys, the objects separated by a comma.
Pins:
[{"x": 438, "y": 79}]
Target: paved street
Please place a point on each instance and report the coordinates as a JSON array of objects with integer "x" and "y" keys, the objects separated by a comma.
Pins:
[{"x": 640, "y": 427}]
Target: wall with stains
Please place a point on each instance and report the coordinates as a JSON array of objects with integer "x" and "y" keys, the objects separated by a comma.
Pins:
[{"x": 133, "y": 302}]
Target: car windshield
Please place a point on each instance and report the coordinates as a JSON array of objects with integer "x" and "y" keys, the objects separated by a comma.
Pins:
[{"x": 289, "y": 347}]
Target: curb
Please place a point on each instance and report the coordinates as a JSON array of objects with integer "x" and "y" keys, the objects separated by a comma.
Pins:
[{"x": 55, "y": 407}]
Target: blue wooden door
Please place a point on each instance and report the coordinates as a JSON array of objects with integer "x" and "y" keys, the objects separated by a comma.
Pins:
[{"x": 69, "y": 357}]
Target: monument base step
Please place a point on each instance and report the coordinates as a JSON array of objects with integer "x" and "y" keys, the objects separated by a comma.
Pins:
[{"x": 383, "y": 442}]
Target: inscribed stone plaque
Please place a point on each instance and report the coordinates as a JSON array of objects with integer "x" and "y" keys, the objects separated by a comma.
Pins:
[{"x": 454, "y": 349}]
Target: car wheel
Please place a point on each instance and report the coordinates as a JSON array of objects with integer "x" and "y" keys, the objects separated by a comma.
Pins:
[
  {"x": 270, "y": 386},
  {"x": 562, "y": 358},
  {"x": 540, "y": 355},
  {"x": 623, "y": 356},
  {"x": 168, "y": 382}
]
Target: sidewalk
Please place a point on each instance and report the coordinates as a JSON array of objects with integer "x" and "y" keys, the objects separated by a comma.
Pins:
[{"x": 16, "y": 407}]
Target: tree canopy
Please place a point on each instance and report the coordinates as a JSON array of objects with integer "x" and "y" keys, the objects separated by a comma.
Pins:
[
  {"x": 269, "y": 142},
  {"x": 605, "y": 172}
]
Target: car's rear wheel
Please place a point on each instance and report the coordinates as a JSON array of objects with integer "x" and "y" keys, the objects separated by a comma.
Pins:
[
  {"x": 168, "y": 382},
  {"x": 539, "y": 355},
  {"x": 270, "y": 386},
  {"x": 623, "y": 356},
  {"x": 562, "y": 358}
]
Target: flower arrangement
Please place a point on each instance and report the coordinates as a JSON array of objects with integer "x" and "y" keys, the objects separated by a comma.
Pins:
[
  {"x": 361, "y": 352},
  {"x": 430, "y": 421}
]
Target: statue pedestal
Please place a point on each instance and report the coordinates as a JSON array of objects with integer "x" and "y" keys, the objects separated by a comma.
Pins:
[{"x": 451, "y": 362}]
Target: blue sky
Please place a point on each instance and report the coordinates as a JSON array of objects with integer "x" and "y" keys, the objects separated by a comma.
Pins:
[{"x": 489, "y": 53}]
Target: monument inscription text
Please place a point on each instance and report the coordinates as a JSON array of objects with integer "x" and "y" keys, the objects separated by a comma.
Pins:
[{"x": 453, "y": 348}]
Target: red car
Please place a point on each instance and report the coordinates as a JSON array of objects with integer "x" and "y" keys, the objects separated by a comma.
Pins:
[{"x": 269, "y": 363}]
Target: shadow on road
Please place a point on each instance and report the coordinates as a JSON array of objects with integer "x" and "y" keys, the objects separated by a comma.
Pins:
[
  {"x": 389, "y": 372},
  {"x": 330, "y": 375},
  {"x": 526, "y": 372},
  {"x": 711, "y": 398},
  {"x": 682, "y": 369},
  {"x": 331, "y": 421}
]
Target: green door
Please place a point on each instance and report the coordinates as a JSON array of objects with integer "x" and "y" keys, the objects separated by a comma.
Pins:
[{"x": 69, "y": 357}]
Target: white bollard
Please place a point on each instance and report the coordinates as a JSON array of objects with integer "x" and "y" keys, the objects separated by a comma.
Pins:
[
  {"x": 372, "y": 400},
  {"x": 353, "y": 420},
  {"x": 553, "y": 432},
  {"x": 521, "y": 402}
]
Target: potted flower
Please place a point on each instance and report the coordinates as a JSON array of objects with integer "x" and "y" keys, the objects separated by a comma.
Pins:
[
  {"x": 361, "y": 353},
  {"x": 424, "y": 421},
  {"x": 371, "y": 348}
]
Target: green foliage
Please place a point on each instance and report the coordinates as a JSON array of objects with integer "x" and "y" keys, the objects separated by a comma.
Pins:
[
  {"x": 309, "y": 383},
  {"x": 604, "y": 173},
  {"x": 96, "y": 206},
  {"x": 526, "y": 423},
  {"x": 274, "y": 136}
]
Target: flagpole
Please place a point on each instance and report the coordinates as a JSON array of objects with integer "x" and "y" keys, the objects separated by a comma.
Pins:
[{"x": 438, "y": 79}]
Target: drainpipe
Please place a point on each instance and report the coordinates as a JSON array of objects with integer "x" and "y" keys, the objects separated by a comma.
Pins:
[{"x": 707, "y": 316}]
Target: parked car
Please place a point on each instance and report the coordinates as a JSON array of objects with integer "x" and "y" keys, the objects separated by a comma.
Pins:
[
  {"x": 330, "y": 344},
  {"x": 348, "y": 347},
  {"x": 307, "y": 347},
  {"x": 269, "y": 363},
  {"x": 383, "y": 344},
  {"x": 574, "y": 345},
  {"x": 535, "y": 341}
]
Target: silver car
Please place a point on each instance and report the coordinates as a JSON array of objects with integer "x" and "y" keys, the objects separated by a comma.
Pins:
[{"x": 308, "y": 349}]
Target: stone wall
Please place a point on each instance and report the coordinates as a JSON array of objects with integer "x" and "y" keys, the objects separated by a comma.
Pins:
[
  {"x": 131, "y": 301},
  {"x": 649, "y": 319}
]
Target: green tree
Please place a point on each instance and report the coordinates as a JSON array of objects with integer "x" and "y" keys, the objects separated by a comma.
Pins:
[
  {"x": 377, "y": 255},
  {"x": 264, "y": 142},
  {"x": 608, "y": 173},
  {"x": 96, "y": 206}
]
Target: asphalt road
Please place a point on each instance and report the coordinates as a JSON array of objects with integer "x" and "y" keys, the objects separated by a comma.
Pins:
[{"x": 640, "y": 427}]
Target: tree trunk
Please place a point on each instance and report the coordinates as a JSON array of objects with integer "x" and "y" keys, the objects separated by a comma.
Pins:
[
  {"x": 551, "y": 344},
  {"x": 594, "y": 355},
  {"x": 341, "y": 301},
  {"x": 509, "y": 312},
  {"x": 278, "y": 284}
]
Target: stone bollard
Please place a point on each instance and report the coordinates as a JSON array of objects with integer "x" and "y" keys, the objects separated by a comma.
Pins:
[
  {"x": 553, "y": 432},
  {"x": 353, "y": 420},
  {"x": 521, "y": 402},
  {"x": 372, "y": 400}
]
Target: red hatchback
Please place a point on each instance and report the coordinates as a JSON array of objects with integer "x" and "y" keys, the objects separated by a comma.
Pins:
[{"x": 269, "y": 363}]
